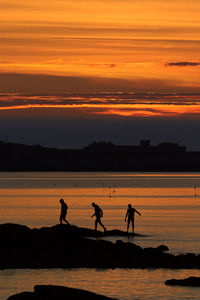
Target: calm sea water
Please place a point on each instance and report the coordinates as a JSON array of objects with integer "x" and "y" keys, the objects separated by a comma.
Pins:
[{"x": 170, "y": 208}]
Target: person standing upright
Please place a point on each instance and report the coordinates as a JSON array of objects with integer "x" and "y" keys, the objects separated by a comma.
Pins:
[{"x": 130, "y": 214}]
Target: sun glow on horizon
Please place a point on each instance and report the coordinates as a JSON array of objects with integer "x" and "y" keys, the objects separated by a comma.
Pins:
[{"x": 125, "y": 110}]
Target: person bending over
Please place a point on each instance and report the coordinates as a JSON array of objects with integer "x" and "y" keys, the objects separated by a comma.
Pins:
[
  {"x": 99, "y": 214},
  {"x": 63, "y": 212}
]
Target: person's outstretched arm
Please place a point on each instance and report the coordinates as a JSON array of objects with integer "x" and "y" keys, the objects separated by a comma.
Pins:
[
  {"x": 138, "y": 212},
  {"x": 93, "y": 215}
]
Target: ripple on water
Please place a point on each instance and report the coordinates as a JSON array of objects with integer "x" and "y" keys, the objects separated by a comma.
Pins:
[{"x": 123, "y": 284}]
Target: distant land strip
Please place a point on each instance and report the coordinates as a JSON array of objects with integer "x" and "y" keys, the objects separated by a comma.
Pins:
[{"x": 100, "y": 156}]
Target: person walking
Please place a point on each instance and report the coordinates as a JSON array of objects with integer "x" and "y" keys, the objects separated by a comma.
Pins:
[
  {"x": 63, "y": 212},
  {"x": 130, "y": 214},
  {"x": 99, "y": 214}
]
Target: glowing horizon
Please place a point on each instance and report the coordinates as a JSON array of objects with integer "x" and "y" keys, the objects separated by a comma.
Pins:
[{"x": 122, "y": 104}]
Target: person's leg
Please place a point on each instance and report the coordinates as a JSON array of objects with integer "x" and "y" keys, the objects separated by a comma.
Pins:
[
  {"x": 96, "y": 222},
  {"x": 128, "y": 223},
  {"x": 102, "y": 225},
  {"x": 132, "y": 225},
  {"x": 63, "y": 218},
  {"x": 66, "y": 221},
  {"x": 60, "y": 219}
]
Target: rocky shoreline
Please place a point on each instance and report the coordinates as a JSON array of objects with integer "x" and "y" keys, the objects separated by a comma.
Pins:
[
  {"x": 64, "y": 246},
  {"x": 190, "y": 281}
]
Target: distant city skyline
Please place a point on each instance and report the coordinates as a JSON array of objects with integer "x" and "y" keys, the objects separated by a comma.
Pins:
[
  {"x": 143, "y": 144},
  {"x": 66, "y": 135}
]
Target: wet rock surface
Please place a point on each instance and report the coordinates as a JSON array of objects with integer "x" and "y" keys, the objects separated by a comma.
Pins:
[
  {"x": 53, "y": 292},
  {"x": 190, "y": 281},
  {"x": 65, "y": 246}
]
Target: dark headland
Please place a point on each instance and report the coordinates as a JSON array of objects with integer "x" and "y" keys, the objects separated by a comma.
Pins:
[
  {"x": 53, "y": 292},
  {"x": 99, "y": 156},
  {"x": 65, "y": 246},
  {"x": 190, "y": 281}
]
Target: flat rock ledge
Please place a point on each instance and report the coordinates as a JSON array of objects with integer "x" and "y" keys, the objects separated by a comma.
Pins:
[
  {"x": 53, "y": 292},
  {"x": 190, "y": 281},
  {"x": 69, "y": 230},
  {"x": 64, "y": 246}
]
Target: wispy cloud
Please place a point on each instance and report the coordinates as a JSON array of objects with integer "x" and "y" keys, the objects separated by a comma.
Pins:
[
  {"x": 183, "y": 64},
  {"x": 110, "y": 104},
  {"x": 127, "y": 41}
]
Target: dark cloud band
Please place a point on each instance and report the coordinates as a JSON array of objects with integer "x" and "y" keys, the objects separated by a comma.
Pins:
[
  {"x": 98, "y": 100},
  {"x": 183, "y": 64}
]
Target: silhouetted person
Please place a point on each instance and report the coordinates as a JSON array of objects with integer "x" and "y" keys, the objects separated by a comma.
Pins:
[
  {"x": 130, "y": 215},
  {"x": 99, "y": 214},
  {"x": 63, "y": 213}
]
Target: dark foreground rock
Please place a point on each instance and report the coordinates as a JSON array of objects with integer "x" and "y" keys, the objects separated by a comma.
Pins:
[
  {"x": 64, "y": 246},
  {"x": 190, "y": 281},
  {"x": 53, "y": 292},
  {"x": 70, "y": 230}
]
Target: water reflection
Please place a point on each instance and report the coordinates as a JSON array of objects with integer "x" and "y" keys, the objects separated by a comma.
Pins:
[
  {"x": 119, "y": 283},
  {"x": 170, "y": 211}
]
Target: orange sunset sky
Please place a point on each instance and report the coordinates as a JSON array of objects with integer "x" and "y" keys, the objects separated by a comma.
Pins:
[
  {"x": 130, "y": 39},
  {"x": 53, "y": 48}
]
